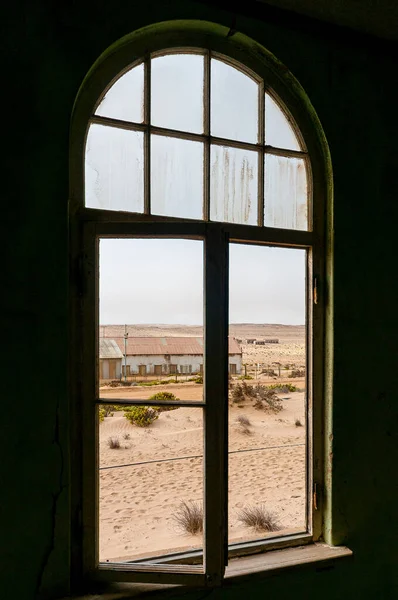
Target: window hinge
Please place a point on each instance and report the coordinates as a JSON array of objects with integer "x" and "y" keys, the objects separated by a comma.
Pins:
[
  {"x": 315, "y": 290},
  {"x": 315, "y": 497}
]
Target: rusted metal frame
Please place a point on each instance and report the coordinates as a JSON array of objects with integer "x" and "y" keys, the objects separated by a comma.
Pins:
[
  {"x": 260, "y": 170},
  {"x": 88, "y": 381},
  {"x": 140, "y": 402},
  {"x": 147, "y": 136},
  {"x": 216, "y": 398},
  {"x": 206, "y": 130},
  {"x": 196, "y": 137}
]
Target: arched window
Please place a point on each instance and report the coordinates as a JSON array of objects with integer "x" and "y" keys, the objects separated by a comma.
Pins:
[{"x": 198, "y": 239}]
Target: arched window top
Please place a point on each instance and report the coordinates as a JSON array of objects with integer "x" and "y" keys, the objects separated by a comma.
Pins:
[{"x": 191, "y": 134}]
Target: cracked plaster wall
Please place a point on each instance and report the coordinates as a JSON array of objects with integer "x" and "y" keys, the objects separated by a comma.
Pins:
[{"x": 350, "y": 80}]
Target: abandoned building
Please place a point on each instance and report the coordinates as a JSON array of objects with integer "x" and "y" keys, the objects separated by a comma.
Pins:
[
  {"x": 110, "y": 359},
  {"x": 337, "y": 61},
  {"x": 171, "y": 355}
]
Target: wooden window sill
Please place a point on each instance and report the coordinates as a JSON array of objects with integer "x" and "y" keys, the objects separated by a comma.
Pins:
[{"x": 238, "y": 570}]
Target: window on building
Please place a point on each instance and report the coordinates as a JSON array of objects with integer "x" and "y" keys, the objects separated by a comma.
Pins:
[{"x": 193, "y": 147}]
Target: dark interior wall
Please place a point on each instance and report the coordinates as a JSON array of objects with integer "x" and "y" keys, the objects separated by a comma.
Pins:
[{"x": 350, "y": 81}]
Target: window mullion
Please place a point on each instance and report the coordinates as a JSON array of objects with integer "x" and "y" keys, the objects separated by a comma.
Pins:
[
  {"x": 261, "y": 135},
  {"x": 147, "y": 137},
  {"x": 216, "y": 397},
  {"x": 206, "y": 130}
]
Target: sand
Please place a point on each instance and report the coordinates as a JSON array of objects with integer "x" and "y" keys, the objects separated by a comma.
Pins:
[{"x": 137, "y": 502}]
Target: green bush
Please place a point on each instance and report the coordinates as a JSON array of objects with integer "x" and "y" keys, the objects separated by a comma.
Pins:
[
  {"x": 110, "y": 408},
  {"x": 101, "y": 414},
  {"x": 163, "y": 397},
  {"x": 142, "y": 416},
  {"x": 242, "y": 377},
  {"x": 284, "y": 388}
]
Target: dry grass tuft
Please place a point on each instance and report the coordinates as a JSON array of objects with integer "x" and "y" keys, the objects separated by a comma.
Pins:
[
  {"x": 189, "y": 517},
  {"x": 114, "y": 443},
  {"x": 259, "y": 518},
  {"x": 243, "y": 420}
]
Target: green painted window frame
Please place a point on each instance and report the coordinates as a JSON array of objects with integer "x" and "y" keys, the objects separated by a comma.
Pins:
[{"x": 88, "y": 225}]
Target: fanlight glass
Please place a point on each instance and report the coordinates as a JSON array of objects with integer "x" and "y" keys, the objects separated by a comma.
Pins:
[{"x": 191, "y": 108}]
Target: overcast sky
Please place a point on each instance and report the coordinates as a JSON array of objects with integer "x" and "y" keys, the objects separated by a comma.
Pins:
[{"x": 161, "y": 281}]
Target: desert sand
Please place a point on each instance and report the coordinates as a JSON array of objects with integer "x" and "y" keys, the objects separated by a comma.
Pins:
[{"x": 137, "y": 502}]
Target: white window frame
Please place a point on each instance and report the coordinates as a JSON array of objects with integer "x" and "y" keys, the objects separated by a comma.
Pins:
[{"x": 88, "y": 225}]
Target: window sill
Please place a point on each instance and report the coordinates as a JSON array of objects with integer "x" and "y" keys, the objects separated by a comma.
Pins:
[{"x": 238, "y": 570}]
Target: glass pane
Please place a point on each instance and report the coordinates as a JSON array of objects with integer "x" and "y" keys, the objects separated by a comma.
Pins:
[
  {"x": 233, "y": 185},
  {"x": 176, "y": 177},
  {"x": 234, "y": 103},
  {"x": 177, "y": 92},
  {"x": 125, "y": 98},
  {"x": 155, "y": 288},
  {"x": 268, "y": 406},
  {"x": 286, "y": 193},
  {"x": 150, "y": 484},
  {"x": 278, "y": 131},
  {"x": 114, "y": 169}
]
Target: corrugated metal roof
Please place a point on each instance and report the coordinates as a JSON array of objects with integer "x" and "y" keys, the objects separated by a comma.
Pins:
[
  {"x": 169, "y": 345},
  {"x": 108, "y": 348}
]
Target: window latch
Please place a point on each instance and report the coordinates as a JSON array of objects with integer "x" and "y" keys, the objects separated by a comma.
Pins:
[{"x": 315, "y": 290}]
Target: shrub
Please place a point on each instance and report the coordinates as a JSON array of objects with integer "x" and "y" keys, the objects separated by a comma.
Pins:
[
  {"x": 264, "y": 397},
  {"x": 110, "y": 409},
  {"x": 243, "y": 377},
  {"x": 248, "y": 390},
  {"x": 199, "y": 379},
  {"x": 259, "y": 518},
  {"x": 114, "y": 443},
  {"x": 101, "y": 414},
  {"x": 189, "y": 517},
  {"x": 267, "y": 371},
  {"x": 163, "y": 397},
  {"x": 126, "y": 436},
  {"x": 284, "y": 388},
  {"x": 142, "y": 416},
  {"x": 237, "y": 393},
  {"x": 297, "y": 373},
  {"x": 243, "y": 420},
  {"x": 298, "y": 423}
]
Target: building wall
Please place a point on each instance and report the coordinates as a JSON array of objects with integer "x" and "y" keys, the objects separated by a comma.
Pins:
[
  {"x": 182, "y": 361},
  {"x": 106, "y": 368},
  {"x": 48, "y": 49}
]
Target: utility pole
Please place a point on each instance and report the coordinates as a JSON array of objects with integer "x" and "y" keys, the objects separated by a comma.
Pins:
[{"x": 126, "y": 335}]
